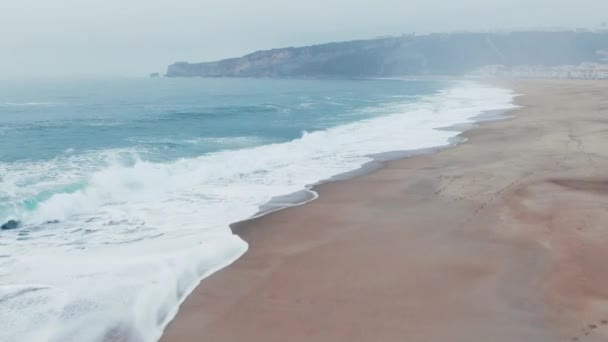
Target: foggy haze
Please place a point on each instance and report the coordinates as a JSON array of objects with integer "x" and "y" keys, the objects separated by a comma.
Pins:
[{"x": 135, "y": 37}]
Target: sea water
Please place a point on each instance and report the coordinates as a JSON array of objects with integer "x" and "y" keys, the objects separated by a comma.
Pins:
[{"x": 125, "y": 189}]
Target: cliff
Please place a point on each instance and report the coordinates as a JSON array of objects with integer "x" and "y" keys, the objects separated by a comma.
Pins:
[{"x": 438, "y": 54}]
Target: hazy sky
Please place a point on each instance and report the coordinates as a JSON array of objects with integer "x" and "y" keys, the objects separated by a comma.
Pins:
[{"x": 136, "y": 37}]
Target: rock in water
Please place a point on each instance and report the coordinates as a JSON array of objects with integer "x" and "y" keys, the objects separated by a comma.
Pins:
[{"x": 11, "y": 224}]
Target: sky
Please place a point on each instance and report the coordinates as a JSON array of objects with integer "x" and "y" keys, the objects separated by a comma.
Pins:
[{"x": 55, "y": 38}]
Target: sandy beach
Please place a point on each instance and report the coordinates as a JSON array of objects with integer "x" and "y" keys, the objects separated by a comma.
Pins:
[{"x": 501, "y": 238}]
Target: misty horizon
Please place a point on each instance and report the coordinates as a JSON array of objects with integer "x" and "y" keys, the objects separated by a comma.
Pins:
[{"x": 109, "y": 38}]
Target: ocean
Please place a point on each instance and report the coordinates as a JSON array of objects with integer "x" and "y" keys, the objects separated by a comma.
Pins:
[{"x": 124, "y": 189}]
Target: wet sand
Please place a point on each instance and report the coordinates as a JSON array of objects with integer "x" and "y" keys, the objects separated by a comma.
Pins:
[{"x": 502, "y": 238}]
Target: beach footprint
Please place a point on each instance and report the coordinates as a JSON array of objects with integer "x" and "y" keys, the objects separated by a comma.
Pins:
[{"x": 592, "y": 329}]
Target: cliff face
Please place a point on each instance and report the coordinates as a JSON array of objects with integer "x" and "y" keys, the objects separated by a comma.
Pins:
[{"x": 408, "y": 55}]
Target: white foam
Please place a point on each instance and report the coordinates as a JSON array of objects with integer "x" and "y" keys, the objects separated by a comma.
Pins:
[{"x": 136, "y": 237}]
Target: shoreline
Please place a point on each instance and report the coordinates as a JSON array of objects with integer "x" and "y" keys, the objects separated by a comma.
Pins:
[
  {"x": 377, "y": 162},
  {"x": 296, "y": 268}
]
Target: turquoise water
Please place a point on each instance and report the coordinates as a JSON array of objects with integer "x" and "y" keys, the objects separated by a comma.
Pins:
[
  {"x": 125, "y": 189},
  {"x": 174, "y": 118}
]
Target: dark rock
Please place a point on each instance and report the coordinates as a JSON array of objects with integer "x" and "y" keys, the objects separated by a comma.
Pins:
[{"x": 11, "y": 224}]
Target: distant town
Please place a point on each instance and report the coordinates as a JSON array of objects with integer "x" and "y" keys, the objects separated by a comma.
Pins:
[{"x": 583, "y": 71}]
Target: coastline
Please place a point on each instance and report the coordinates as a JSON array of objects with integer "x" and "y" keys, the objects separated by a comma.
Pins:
[
  {"x": 297, "y": 267},
  {"x": 377, "y": 162},
  {"x": 400, "y": 121}
]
